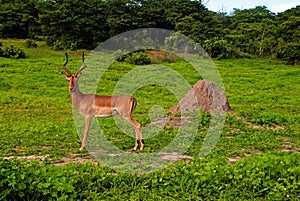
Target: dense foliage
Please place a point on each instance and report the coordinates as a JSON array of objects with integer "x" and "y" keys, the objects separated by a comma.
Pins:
[
  {"x": 12, "y": 52},
  {"x": 274, "y": 177},
  {"x": 82, "y": 24}
]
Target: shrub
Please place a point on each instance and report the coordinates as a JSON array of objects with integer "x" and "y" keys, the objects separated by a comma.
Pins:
[
  {"x": 1, "y": 30},
  {"x": 139, "y": 58},
  {"x": 120, "y": 55},
  {"x": 58, "y": 45},
  {"x": 13, "y": 52},
  {"x": 30, "y": 43},
  {"x": 219, "y": 49},
  {"x": 74, "y": 46},
  {"x": 291, "y": 53}
]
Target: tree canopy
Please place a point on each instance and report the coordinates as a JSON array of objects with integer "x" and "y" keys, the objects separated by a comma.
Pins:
[{"x": 84, "y": 24}]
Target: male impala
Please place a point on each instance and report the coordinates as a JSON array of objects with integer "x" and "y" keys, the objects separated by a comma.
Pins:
[{"x": 91, "y": 105}]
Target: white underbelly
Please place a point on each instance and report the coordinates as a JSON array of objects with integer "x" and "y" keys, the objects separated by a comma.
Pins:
[
  {"x": 103, "y": 115},
  {"x": 114, "y": 112}
]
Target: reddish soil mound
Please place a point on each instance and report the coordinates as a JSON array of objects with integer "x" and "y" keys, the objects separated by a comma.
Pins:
[{"x": 204, "y": 95}]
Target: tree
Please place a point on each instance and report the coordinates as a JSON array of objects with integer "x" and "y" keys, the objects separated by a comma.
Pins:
[
  {"x": 253, "y": 15},
  {"x": 73, "y": 23},
  {"x": 289, "y": 31},
  {"x": 253, "y": 31},
  {"x": 19, "y": 19},
  {"x": 291, "y": 53},
  {"x": 219, "y": 49}
]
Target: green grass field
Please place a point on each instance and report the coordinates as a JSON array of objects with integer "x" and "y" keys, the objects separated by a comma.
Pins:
[{"x": 256, "y": 157}]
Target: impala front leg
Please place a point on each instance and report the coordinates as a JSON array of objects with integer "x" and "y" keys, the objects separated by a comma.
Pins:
[
  {"x": 136, "y": 144},
  {"x": 88, "y": 120}
]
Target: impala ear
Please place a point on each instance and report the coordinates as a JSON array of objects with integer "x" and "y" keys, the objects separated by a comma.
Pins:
[
  {"x": 78, "y": 75},
  {"x": 65, "y": 76}
]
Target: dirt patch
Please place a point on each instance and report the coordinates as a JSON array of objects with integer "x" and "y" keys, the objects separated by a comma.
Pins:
[
  {"x": 276, "y": 128},
  {"x": 75, "y": 158},
  {"x": 160, "y": 56},
  {"x": 233, "y": 159},
  {"x": 174, "y": 156},
  {"x": 259, "y": 127},
  {"x": 30, "y": 157},
  {"x": 237, "y": 158},
  {"x": 229, "y": 137},
  {"x": 288, "y": 146},
  {"x": 72, "y": 158},
  {"x": 174, "y": 122}
]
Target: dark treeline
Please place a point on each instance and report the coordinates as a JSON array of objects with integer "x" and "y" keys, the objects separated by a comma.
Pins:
[{"x": 84, "y": 24}]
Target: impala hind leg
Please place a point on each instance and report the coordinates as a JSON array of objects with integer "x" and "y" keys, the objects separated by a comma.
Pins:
[
  {"x": 88, "y": 121},
  {"x": 138, "y": 136},
  {"x": 138, "y": 133}
]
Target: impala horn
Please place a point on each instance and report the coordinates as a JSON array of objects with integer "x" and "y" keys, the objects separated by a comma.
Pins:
[
  {"x": 82, "y": 67},
  {"x": 69, "y": 74}
]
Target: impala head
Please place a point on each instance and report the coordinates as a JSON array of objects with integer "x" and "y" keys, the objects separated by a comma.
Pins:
[{"x": 68, "y": 75}]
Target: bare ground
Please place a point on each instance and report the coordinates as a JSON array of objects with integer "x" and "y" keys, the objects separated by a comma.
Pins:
[{"x": 175, "y": 122}]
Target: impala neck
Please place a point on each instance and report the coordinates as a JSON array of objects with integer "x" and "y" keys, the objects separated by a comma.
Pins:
[{"x": 76, "y": 95}]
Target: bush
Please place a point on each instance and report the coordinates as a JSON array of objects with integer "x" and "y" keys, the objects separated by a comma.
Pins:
[
  {"x": 139, "y": 58},
  {"x": 120, "y": 55},
  {"x": 30, "y": 43},
  {"x": 219, "y": 49},
  {"x": 58, "y": 45},
  {"x": 1, "y": 30},
  {"x": 13, "y": 52},
  {"x": 74, "y": 46},
  {"x": 291, "y": 53}
]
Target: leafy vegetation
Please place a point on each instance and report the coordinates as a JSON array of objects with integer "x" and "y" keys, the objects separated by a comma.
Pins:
[
  {"x": 30, "y": 43},
  {"x": 261, "y": 177},
  {"x": 256, "y": 158},
  {"x": 12, "y": 52},
  {"x": 75, "y": 24},
  {"x": 139, "y": 58}
]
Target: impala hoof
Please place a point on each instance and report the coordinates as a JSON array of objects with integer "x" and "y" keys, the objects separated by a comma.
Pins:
[
  {"x": 142, "y": 145},
  {"x": 81, "y": 148}
]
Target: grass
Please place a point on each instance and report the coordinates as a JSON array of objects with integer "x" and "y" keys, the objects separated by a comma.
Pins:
[{"x": 263, "y": 134}]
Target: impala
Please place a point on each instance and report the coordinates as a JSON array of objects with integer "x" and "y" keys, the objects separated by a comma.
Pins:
[{"x": 92, "y": 105}]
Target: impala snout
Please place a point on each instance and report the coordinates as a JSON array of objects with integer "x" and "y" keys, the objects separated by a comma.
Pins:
[
  {"x": 72, "y": 84},
  {"x": 72, "y": 88}
]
